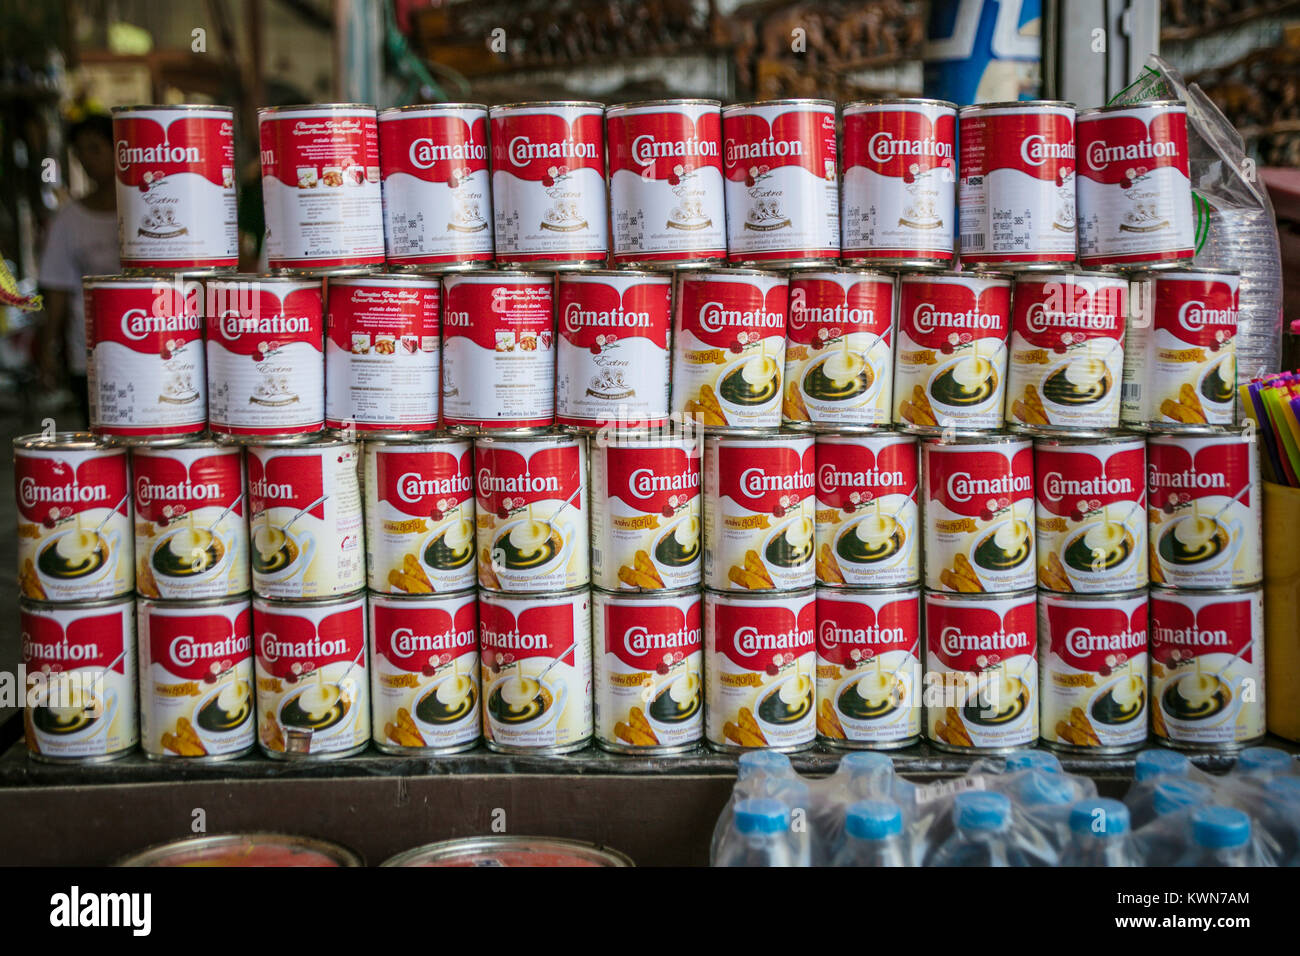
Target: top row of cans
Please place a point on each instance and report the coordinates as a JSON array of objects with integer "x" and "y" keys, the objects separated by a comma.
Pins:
[{"x": 660, "y": 184}]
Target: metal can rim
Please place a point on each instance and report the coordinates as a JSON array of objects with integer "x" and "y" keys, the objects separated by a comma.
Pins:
[
  {"x": 394, "y": 278},
  {"x": 1017, "y": 104},
  {"x": 430, "y": 107},
  {"x": 930, "y": 594},
  {"x": 1087, "y": 597},
  {"x": 34, "y": 604},
  {"x": 160, "y": 851},
  {"x": 1107, "y": 437},
  {"x": 402, "y": 598},
  {"x": 670, "y": 101},
  {"x": 863, "y": 590},
  {"x": 547, "y": 436},
  {"x": 311, "y": 107},
  {"x": 758, "y": 596},
  {"x": 575, "y": 275},
  {"x": 566, "y": 594},
  {"x": 282, "y": 602},
  {"x": 809, "y": 101},
  {"x": 528, "y": 104},
  {"x": 1120, "y": 107},
  {"x": 65, "y": 441},
  {"x": 165, "y": 107},
  {"x": 899, "y": 101},
  {"x": 643, "y": 596},
  {"x": 841, "y": 271},
  {"x": 464, "y": 846},
  {"x": 1182, "y": 271}
]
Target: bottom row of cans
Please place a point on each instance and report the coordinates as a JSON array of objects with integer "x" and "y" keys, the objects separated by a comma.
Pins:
[{"x": 643, "y": 672}]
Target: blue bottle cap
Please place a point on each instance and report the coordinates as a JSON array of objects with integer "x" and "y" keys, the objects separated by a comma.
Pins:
[
  {"x": 1044, "y": 789},
  {"x": 873, "y": 820},
  {"x": 763, "y": 761},
  {"x": 1161, "y": 763},
  {"x": 982, "y": 810},
  {"x": 761, "y": 815},
  {"x": 1176, "y": 794},
  {"x": 1220, "y": 828},
  {"x": 1034, "y": 760},
  {"x": 867, "y": 762},
  {"x": 1263, "y": 760},
  {"x": 1099, "y": 817},
  {"x": 1287, "y": 789}
]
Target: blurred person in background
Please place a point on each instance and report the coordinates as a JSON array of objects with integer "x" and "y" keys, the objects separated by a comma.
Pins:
[{"x": 82, "y": 241}]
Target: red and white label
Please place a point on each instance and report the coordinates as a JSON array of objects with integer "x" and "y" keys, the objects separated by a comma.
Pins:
[
  {"x": 979, "y": 518},
  {"x": 419, "y": 516},
  {"x": 424, "y": 672},
  {"x": 1204, "y": 509},
  {"x": 868, "y": 667},
  {"x": 196, "y": 679},
  {"x": 951, "y": 357},
  {"x": 760, "y": 671},
  {"x": 176, "y": 188},
  {"x": 382, "y": 353},
  {"x": 548, "y": 183},
  {"x": 868, "y": 506},
  {"x": 1094, "y": 670},
  {"x": 1181, "y": 365},
  {"x": 537, "y": 671},
  {"x": 649, "y": 670},
  {"x": 437, "y": 204},
  {"x": 266, "y": 357},
  {"x": 759, "y": 530},
  {"x": 498, "y": 351},
  {"x": 1207, "y": 667},
  {"x": 1091, "y": 515},
  {"x": 1135, "y": 194},
  {"x": 1066, "y": 364},
  {"x": 1016, "y": 192},
  {"x": 612, "y": 364},
  {"x": 900, "y": 181},
  {"x": 665, "y": 182},
  {"x": 839, "y": 350},
  {"x": 313, "y": 688},
  {"x": 74, "y": 523},
  {"x": 146, "y": 373},
  {"x": 320, "y": 187},
  {"x": 645, "y": 519},
  {"x": 782, "y": 182},
  {"x": 80, "y": 680},
  {"x": 191, "y": 528},
  {"x": 532, "y": 508},
  {"x": 729, "y": 348},
  {"x": 305, "y": 519},
  {"x": 982, "y": 654}
]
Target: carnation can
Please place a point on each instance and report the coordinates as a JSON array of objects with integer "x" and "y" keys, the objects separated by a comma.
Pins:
[
  {"x": 1180, "y": 360},
  {"x": 1207, "y": 668},
  {"x": 498, "y": 352},
  {"x": 1135, "y": 193},
  {"x": 536, "y": 658},
  {"x": 1092, "y": 654},
  {"x": 74, "y": 518},
  {"x": 145, "y": 376},
  {"x": 1016, "y": 192},
  {"x": 175, "y": 170},
  {"x": 979, "y": 514},
  {"x": 266, "y": 359},
  {"x": 868, "y": 509},
  {"x": 532, "y": 504},
  {"x": 648, "y": 654},
  {"x": 839, "y": 350},
  {"x": 782, "y": 182},
  {"x": 869, "y": 689},
  {"x": 424, "y": 673},
  {"x": 760, "y": 668},
  {"x": 191, "y": 525},
  {"x": 612, "y": 361},
  {"x": 196, "y": 679},
  {"x": 1203, "y": 500},
  {"x": 80, "y": 684},
  {"x": 950, "y": 363},
  {"x": 548, "y": 184},
  {"x": 436, "y": 186},
  {"x": 320, "y": 187},
  {"x": 382, "y": 354},
  {"x": 305, "y": 520},
  {"x": 729, "y": 348},
  {"x": 419, "y": 512},
  {"x": 900, "y": 183},
  {"x": 665, "y": 182},
  {"x": 645, "y": 513},
  {"x": 1090, "y": 501},
  {"x": 759, "y": 508},
  {"x": 981, "y": 671},
  {"x": 313, "y": 691}
]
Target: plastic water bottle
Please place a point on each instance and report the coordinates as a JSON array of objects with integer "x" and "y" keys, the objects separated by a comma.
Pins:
[
  {"x": 983, "y": 836},
  {"x": 873, "y": 835},
  {"x": 1282, "y": 817},
  {"x": 1220, "y": 837},
  {"x": 1034, "y": 760},
  {"x": 1263, "y": 762},
  {"x": 1099, "y": 835},
  {"x": 1046, "y": 797},
  {"x": 804, "y": 835},
  {"x": 869, "y": 773},
  {"x": 1165, "y": 840},
  {"x": 771, "y": 762},
  {"x": 762, "y": 827},
  {"x": 1176, "y": 794},
  {"x": 1160, "y": 763}
]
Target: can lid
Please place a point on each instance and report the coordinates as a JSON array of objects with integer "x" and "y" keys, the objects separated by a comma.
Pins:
[
  {"x": 544, "y": 104},
  {"x": 898, "y": 101},
  {"x": 1220, "y": 828},
  {"x": 1184, "y": 272},
  {"x": 1017, "y": 104},
  {"x": 1262, "y": 760},
  {"x": 814, "y": 272},
  {"x": 1033, "y": 760},
  {"x": 316, "y": 107},
  {"x": 761, "y": 815},
  {"x": 579, "y": 275},
  {"x": 982, "y": 810},
  {"x": 1045, "y": 789},
  {"x": 1160, "y": 763},
  {"x": 1176, "y": 793},
  {"x": 429, "y": 107},
  {"x": 791, "y": 101},
  {"x": 640, "y": 104},
  {"x": 947, "y": 275},
  {"x": 162, "y": 107},
  {"x": 509, "y": 851},
  {"x": 1143, "y": 104},
  {"x": 873, "y": 820},
  {"x": 1101, "y": 818},
  {"x": 245, "y": 849},
  {"x": 70, "y": 441}
]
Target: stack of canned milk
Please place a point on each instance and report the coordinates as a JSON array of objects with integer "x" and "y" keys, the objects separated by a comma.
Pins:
[{"x": 445, "y": 425}]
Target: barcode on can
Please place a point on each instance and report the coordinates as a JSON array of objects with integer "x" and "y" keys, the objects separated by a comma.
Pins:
[{"x": 972, "y": 241}]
